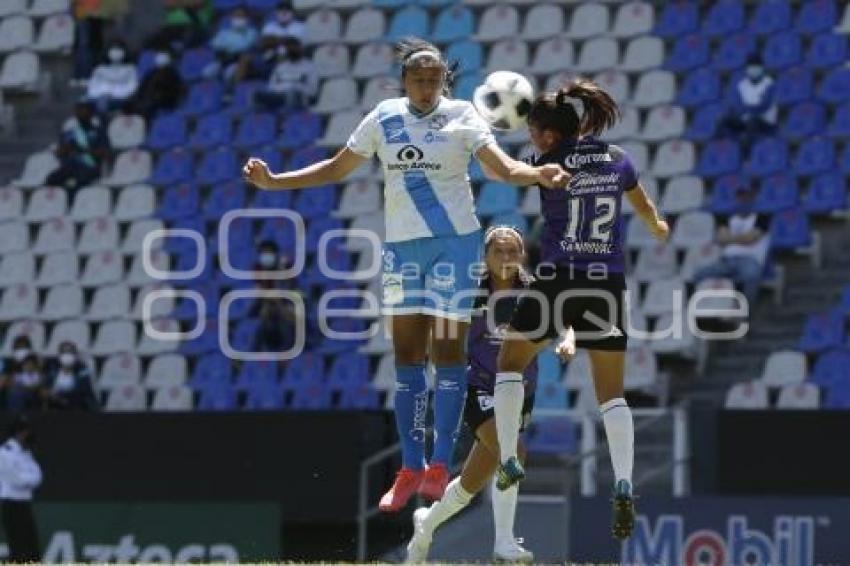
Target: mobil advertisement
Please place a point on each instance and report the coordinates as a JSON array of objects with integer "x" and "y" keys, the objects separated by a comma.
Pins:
[{"x": 775, "y": 531}]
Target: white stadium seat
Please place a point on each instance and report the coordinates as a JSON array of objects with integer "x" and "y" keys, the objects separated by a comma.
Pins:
[
  {"x": 99, "y": 235},
  {"x": 63, "y": 302},
  {"x": 598, "y": 54},
  {"x": 128, "y": 398},
  {"x": 41, "y": 8},
  {"x": 32, "y": 328},
  {"x": 16, "y": 32},
  {"x": 654, "y": 88},
  {"x": 36, "y": 169},
  {"x": 55, "y": 235},
  {"x": 173, "y": 398},
  {"x": 784, "y": 368},
  {"x": 385, "y": 377},
  {"x": 748, "y": 395},
  {"x": 126, "y": 132},
  {"x": 360, "y": 197},
  {"x": 331, "y": 60},
  {"x": 589, "y": 20},
  {"x": 663, "y": 296},
  {"x": 166, "y": 370},
  {"x": 508, "y": 54},
  {"x": 638, "y": 235},
  {"x": 14, "y": 237},
  {"x": 138, "y": 276},
  {"x": 76, "y": 331},
  {"x": 626, "y": 128},
  {"x": 365, "y": 25},
  {"x": 120, "y": 369},
  {"x": 110, "y": 301},
  {"x": 135, "y": 237},
  {"x": 650, "y": 186},
  {"x": 498, "y": 22},
  {"x": 47, "y": 203},
  {"x": 542, "y": 21},
  {"x": 802, "y": 396},
  {"x": 683, "y": 193},
  {"x": 335, "y": 95},
  {"x": 578, "y": 373},
  {"x": 322, "y": 26},
  {"x": 633, "y": 18},
  {"x": 378, "y": 89},
  {"x": 20, "y": 71},
  {"x": 103, "y": 268},
  {"x": 90, "y": 203},
  {"x": 150, "y": 346},
  {"x": 12, "y": 7},
  {"x": 698, "y": 257},
  {"x": 642, "y": 54},
  {"x": 681, "y": 341},
  {"x": 641, "y": 368},
  {"x": 11, "y": 203},
  {"x": 115, "y": 336},
  {"x": 663, "y": 123},
  {"x": 340, "y": 126},
  {"x": 693, "y": 229},
  {"x": 380, "y": 342},
  {"x": 373, "y": 60},
  {"x": 56, "y": 34},
  {"x": 531, "y": 204},
  {"x": 674, "y": 157},
  {"x": 371, "y": 221},
  {"x": 131, "y": 166},
  {"x": 160, "y": 308},
  {"x": 724, "y": 301},
  {"x": 135, "y": 202},
  {"x": 616, "y": 83},
  {"x": 19, "y": 302},
  {"x": 16, "y": 268},
  {"x": 656, "y": 262},
  {"x": 638, "y": 154},
  {"x": 553, "y": 55},
  {"x": 58, "y": 268}
]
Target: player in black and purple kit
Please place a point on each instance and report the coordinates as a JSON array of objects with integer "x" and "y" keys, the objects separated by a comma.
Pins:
[
  {"x": 580, "y": 282},
  {"x": 500, "y": 289}
]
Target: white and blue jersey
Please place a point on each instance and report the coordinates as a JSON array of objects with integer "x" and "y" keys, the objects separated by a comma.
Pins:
[{"x": 433, "y": 237}]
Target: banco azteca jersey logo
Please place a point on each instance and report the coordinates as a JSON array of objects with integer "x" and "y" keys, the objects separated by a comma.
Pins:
[
  {"x": 410, "y": 153},
  {"x": 411, "y": 157}
]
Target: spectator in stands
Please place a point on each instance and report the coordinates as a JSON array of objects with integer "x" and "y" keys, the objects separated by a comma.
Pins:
[
  {"x": 24, "y": 387},
  {"x": 92, "y": 22},
  {"x": 283, "y": 25},
  {"x": 83, "y": 147},
  {"x": 161, "y": 89},
  {"x": 21, "y": 348},
  {"x": 186, "y": 24},
  {"x": 745, "y": 243},
  {"x": 293, "y": 82},
  {"x": 260, "y": 63},
  {"x": 67, "y": 383},
  {"x": 114, "y": 81},
  {"x": 276, "y": 331},
  {"x": 235, "y": 38},
  {"x": 752, "y": 112}
]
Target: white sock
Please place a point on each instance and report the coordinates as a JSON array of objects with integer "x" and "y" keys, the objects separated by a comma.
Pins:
[
  {"x": 508, "y": 396},
  {"x": 454, "y": 499},
  {"x": 620, "y": 430},
  {"x": 504, "y": 512}
]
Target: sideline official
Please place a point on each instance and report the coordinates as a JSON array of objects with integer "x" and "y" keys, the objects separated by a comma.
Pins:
[{"x": 20, "y": 474}]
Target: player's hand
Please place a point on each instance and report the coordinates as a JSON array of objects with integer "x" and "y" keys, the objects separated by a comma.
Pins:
[
  {"x": 661, "y": 230},
  {"x": 257, "y": 173},
  {"x": 553, "y": 176},
  {"x": 566, "y": 350}
]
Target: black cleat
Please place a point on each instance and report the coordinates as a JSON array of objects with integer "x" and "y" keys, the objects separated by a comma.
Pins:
[
  {"x": 623, "y": 509},
  {"x": 509, "y": 473}
]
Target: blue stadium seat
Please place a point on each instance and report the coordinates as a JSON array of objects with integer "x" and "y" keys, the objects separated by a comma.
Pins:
[
  {"x": 224, "y": 197},
  {"x": 344, "y": 326},
  {"x": 777, "y": 193},
  {"x": 678, "y": 18},
  {"x": 203, "y": 98},
  {"x": 273, "y": 199},
  {"x": 723, "y": 18},
  {"x": 844, "y": 160},
  {"x": 831, "y": 368},
  {"x": 770, "y": 16},
  {"x": 549, "y": 367},
  {"x": 256, "y": 129},
  {"x": 187, "y": 309},
  {"x": 790, "y": 229},
  {"x": 175, "y": 245},
  {"x": 782, "y": 50},
  {"x": 242, "y": 308},
  {"x": 261, "y": 5},
  {"x": 465, "y": 86},
  {"x": 389, "y": 3},
  {"x": 212, "y": 131},
  {"x": 218, "y": 166},
  {"x": 217, "y": 397},
  {"x": 839, "y": 126},
  {"x": 476, "y": 174},
  {"x": 318, "y": 226},
  {"x": 827, "y": 193},
  {"x": 768, "y": 156},
  {"x": 187, "y": 260},
  {"x": 688, "y": 53},
  {"x": 348, "y": 369},
  {"x": 497, "y": 198},
  {"x": 719, "y": 157},
  {"x": 816, "y": 16},
  {"x": 173, "y": 167},
  {"x": 700, "y": 86},
  {"x": 827, "y": 50},
  {"x": 314, "y": 396},
  {"x": 435, "y": 3},
  {"x": 272, "y": 156},
  {"x": 834, "y": 87},
  {"x": 145, "y": 63},
  {"x": 553, "y": 435},
  {"x": 316, "y": 202},
  {"x": 733, "y": 52},
  {"x": 306, "y": 368},
  {"x": 211, "y": 368},
  {"x": 299, "y": 130},
  {"x": 468, "y": 53},
  {"x": 226, "y": 5},
  {"x": 794, "y": 85},
  {"x": 816, "y": 155},
  {"x": 281, "y": 232},
  {"x": 243, "y": 97},
  {"x": 167, "y": 131},
  {"x": 723, "y": 199},
  {"x": 823, "y": 331},
  {"x": 179, "y": 201},
  {"x": 409, "y": 21},
  {"x": 453, "y": 23},
  {"x": 194, "y": 61},
  {"x": 306, "y": 156},
  {"x": 264, "y": 396},
  {"x": 359, "y": 397},
  {"x": 703, "y": 124},
  {"x": 551, "y": 396},
  {"x": 255, "y": 372},
  {"x": 838, "y": 396},
  {"x": 845, "y": 301},
  {"x": 206, "y": 342},
  {"x": 240, "y": 234},
  {"x": 804, "y": 120}
]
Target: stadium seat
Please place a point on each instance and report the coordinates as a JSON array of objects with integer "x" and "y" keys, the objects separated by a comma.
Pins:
[
  {"x": 179, "y": 201},
  {"x": 113, "y": 337},
  {"x": 53, "y": 236},
  {"x": 633, "y": 19},
  {"x": 307, "y": 368},
  {"x": 339, "y": 127},
  {"x": 839, "y": 126},
  {"x": 642, "y": 54},
  {"x": 654, "y": 88},
  {"x": 36, "y": 169},
  {"x": 350, "y": 369},
  {"x": 11, "y": 203},
  {"x": 777, "y": 193},
  {"x": 831, "y": 367},
  {"x": 329, "y": 60},
  {"x": 663, "y": 123},
  {"x": 589, "y": 20},
  {"x": 166, "y": 132},
  {"x": 673, "y": 157},
  {"x": 497, "y": 22},
  {"x": 844, "y": 26},
  {"x": 834, "y": 86},
  {"x": 823, "y": 331},
  {"x": 598, "y": 54},
  {"x": 578, "y": 372},
  {"x": 172, "y": 398},
  {"x": 379, "y": 343},
  {"x": 551, "y": 396},
  {"x": 378, "y": 89},
  {"x": 373, "y": 60},
  {"x": 161, "y": 307},
  {"x": 827, "y": 193},
  {"x": 783, "y": 368},
  {"x": 703, "y": 124},
  {"x": 827, "y": 50},
  {"x": 688, "y": 53},
  {"x": 723, "y": 18},
  {"x": 782, "y": 50},
  {"x": 409, "y": 21},
  {"x": 206, "y": 342},
  {"x": 508, "y": 54},
  {"x": 90, "y": 203},
  {"x": 212, "y": 130},
  {"x": 316, "y": 202},
  {"x": 76, "y": 331},
  {"x": 543, "y": 21},
  {"x": 111, "y": 301},
  {"x": 126, "y": 132},
  {"x": 120, "y": 369},
  {"x": 16, "y": 32},
  {"x": 815, "y": 155},
  {"x": 20, "y": 71},
  {"x": 13, "y": 7},
  {"x": 719, "y": 157},
  {"x": 553, "y": 435},
  {"x": 497, "y": 198},
  {"x": 173, "y": 167},
  {"x": 642, "y": 372},
  {"x": 203, "y": 98},
  {"x": 683, "y": 193},
  {"x": 359, "y": 397},
  {"x": 19, "y": 302},
  {"x": 47, "y": 203},
  {"x": 217, "y": 397},
  {"x": 769, "y": 156},
  {"x": 211, "y": 368},
  {"x": 693, "y": 229},
  {"x": 102, "y": 268},
  {"x": 656, "y": 262},
  {"x": 357, "y": 198},
  {"x": 770, "y": 17},
  {"x": 166, "y": 370},
  {"x": 131, "y": 166},
  {"x": 62, "y": 302},
  {"x": 794, "y": 85},
  {"x": 218, "y": 166},
  {"x": 816, "y": 16},
  {"x": 17, "y": 268},
  {"x": 799, "y": 397},
  {"x": 552, "y": 55},
  {"x": 41, "y": 8},
  {"x": 58, "y": 268},
  {"x": 626, "y": 127},
  {"x": 661, "y": 296},
  {"x": 310, "y": 396},
  {"x": 700, "y": 86},
  {"x": 255, "y": 129},
  {"x": 264, "y": 396},
  {"x": 55, "y": 35},
  {"x": 838, "y": 396},
  {"x": 733, "y": 52},
  {"x": 749, "y": 395},
  {"x": 790, "y": 229},
  {"x": 98, "y": 235},
  {"x": 365, "y": 25},
  {"x": 468, "y": 54},
  {"x": 299, "y": 130},
  {"x": 616, "y": 83},
  {"x": 254, "y": 372},
  {"x": 31, "y": 328},
  {"x": 677, "y": 19},
  {"x": 804, "y": 120},
  {"x": 322, "y": 26},
  {"x": 336, "y": 94},
  {"x": 127, "y": 398},
  {"x": 193, "y": 62},
  {"x": 453, "y": 23},
  {"x": 223, "y": 198}
]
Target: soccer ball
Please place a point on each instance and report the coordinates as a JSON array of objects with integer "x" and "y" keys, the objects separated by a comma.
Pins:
[{"x": 504, "y": 100}]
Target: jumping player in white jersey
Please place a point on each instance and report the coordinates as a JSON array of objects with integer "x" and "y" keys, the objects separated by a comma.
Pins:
[{"x": 424, "y": 141}]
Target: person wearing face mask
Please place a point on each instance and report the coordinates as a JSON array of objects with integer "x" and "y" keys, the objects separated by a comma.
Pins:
[
  {"x": 235, "y": 38},
  {"x": 276, "y": 331},
  {"x": 83, "y": 148},
  {"x": 25, "y": 385},
  {"x": 745, "y": 241},
  {"x": 293, "y": 82},
  {"x": 21, "y": 348},
  {"x": 68, "y": 384},
  {"x": 161, "y": 89},
  {"x": 283, "y": 24},
  {"x": 753, "y": 110},
  {"x": 20, "y": 475},
  {"x": 115, "y": 81}
]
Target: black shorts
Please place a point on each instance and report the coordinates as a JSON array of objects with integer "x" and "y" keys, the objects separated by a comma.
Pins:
[
  {"x": 593, "y": 306},
  {"x": 480, "y": 408}
]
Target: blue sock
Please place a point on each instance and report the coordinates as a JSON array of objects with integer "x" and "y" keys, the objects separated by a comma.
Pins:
[
  {"x": 411, "y": 406},
  {"x": 448, "y": 407}
]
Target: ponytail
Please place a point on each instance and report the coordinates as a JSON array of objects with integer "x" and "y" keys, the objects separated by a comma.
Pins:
[{"x": 580, "y": 108}]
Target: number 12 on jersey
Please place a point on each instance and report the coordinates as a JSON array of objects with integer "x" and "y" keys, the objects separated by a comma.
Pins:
[{"x": 604, "y": 211}]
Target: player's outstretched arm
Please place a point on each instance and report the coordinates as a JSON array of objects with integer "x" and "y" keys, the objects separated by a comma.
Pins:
[
  {"x": 648, "y": 212},
  {"x": 499, "y": 165},
  {"x": 323, "y": 172}
]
